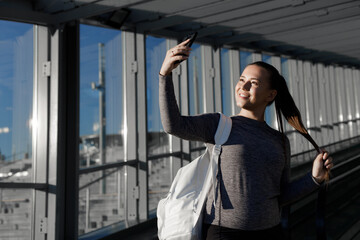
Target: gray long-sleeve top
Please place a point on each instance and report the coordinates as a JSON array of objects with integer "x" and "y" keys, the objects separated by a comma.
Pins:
[{"x": 254, "y": 169}]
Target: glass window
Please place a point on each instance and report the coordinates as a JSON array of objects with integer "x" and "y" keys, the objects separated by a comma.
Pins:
[
  {"x": 226, "y": 90},
  {"x": 101, "y": 127},
  {"x": 101, "y": 89},
  {"x": 266, "y": 58},
  {"x": 16, "y": 94},
  {"x": 159, "y": 180},
  {"x": 15, "y": 213},
  {"x": 196, "y": 88},
  {"x": 158, "y": 140},
  {"x": 270, "y": 110},
  {"x": 97, "y": 210},
  {"x": 196, "y": 94},
  {"x": 245, "y": 59}
]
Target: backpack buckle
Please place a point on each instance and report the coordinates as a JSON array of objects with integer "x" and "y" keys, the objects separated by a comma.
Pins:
[{"x": 217, "y": 149}]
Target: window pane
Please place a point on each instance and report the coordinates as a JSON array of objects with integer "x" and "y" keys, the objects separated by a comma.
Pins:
[
  {"x": 16, "y": 97},
  {"x": 270, "y": 115},
  {"x": 15, "y": 213},
  {"x": 159, "y": 180},
  {"x": 158, "y": 140},
  {"x": 101, "y": 89},
  {"x": 196, "y": 88},
  {"x": 195, "y": 81},
  {"x": 96, "y": 209},
  {"x": 227, "y": 92},
  {"x": 245, "y": 59}
]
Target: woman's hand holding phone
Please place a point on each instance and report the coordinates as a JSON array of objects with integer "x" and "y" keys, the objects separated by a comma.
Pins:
[{"x": 174, "y": 56}]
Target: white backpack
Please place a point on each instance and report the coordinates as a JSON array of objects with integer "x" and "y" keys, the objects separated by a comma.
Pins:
[{"x": 180, "y": 213}]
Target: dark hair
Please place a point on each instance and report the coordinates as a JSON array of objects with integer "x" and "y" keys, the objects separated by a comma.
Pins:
[{"x": 284, "y": 103}]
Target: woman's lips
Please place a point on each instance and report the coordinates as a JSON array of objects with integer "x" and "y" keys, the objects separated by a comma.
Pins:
[{"x": 243, "y": 95}]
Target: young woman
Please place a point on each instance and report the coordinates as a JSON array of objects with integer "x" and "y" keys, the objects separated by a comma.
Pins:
[{"x": 254, "y": 163}]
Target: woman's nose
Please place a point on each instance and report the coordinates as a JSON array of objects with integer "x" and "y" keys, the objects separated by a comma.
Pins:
[{"x": 246, "y": 86}]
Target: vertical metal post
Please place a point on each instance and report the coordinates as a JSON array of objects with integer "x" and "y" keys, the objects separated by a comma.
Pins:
[
  {"x": 208, "y": 74},
  {"x": 302, "y": 98},
  {"x": 276, "y": 62},
  {"x": 102, "y": 114},
  {"x": 174, "y": 142},
  {"x": 87, "y": 209},
  {"x": 217, "y": 80},
  {"x": 130, "y": 133},
  {"x": 119, "y": 193},
  {"x": 185, "y": 108},
  {"x": 234, "y": 75},
  {"x": 67, "y": 188},
  {"x": 142, "y": 127},
  {"x": 195, "y": 86},
  {"x": 334, "y": 102},
  {"x": 40, "y": 129}
]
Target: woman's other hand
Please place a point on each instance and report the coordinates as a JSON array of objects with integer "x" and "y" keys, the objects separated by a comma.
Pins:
[
  {"x": 174, "y": 56},
  {"x": 322, "y": 166}
]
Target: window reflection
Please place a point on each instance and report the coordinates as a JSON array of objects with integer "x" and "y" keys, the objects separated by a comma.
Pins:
[
  {"x": 270, "y": 115},
  {"x": 16, "y": 94},
  {"x": 196, "y": 88},
  {"x": 101, "y": 103},
  {"x": 158, "y": 140},
  {"x": 245, "y": 59},
  {"x": 159, "y": 180},
  {"x": 195, "y": 81},
  {"x": 101, "y": 127},
  {"x": 226, "y": 90}
]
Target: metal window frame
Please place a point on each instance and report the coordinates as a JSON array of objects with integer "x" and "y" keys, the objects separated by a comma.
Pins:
[
  {"x": 40, "y": 131},
  {"x": 130, "y": 137},
  {"x": 175, "y": 142},
  {"x": 234, "y": 61},
  {"x": 207, "y": 78}
]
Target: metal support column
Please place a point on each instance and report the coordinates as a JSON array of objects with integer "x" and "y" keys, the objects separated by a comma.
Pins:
[
  {"x": 217, "y": 80},
  {"x": 350, "y": 103},
  {"x": 174, "y": 142},
  {"x": 67, "y": 184},
  {"x": 302, "y": 106},
  {"x": 356, "y": 82},
  {"x": 208, "y": 74},
  {"x": 130, "y": 119},
  {"x": 184, "y": 103},
  {"x": 142, "y": 127},
  {"x": 334, "y": 102},
  {"x": 40, "y": 134},
  {"x": 342, "y": 117},
  {"x": 234, "y": 76}
]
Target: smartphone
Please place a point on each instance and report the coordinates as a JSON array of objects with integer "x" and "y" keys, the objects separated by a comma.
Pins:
[{"x": 192, "y": 37}]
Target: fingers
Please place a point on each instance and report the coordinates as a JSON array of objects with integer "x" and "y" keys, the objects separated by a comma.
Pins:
[
  {"x": 327, "y": 160},
  {"x": 328, "y": 164},
  {"x": 184, "y": 42},
  {"x": 180, "y": 50}
]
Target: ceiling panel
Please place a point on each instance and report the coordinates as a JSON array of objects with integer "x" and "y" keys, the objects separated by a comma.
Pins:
[{"x": 326, "y": 30}]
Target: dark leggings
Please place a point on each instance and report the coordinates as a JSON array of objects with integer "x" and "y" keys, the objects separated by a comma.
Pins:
[{"x": 213, "y": 232}]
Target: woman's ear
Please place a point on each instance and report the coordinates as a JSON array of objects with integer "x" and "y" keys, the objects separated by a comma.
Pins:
[{"x": 272, "y": 95}]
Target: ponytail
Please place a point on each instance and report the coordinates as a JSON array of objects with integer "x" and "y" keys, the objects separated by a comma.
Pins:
[{"x": 284, "y": 103}]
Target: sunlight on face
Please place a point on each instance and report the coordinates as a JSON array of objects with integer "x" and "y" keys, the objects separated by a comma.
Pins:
[{"x": 252, "y": 91}]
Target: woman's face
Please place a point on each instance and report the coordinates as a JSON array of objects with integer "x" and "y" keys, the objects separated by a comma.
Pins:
[{"x": 253, "y": 92}]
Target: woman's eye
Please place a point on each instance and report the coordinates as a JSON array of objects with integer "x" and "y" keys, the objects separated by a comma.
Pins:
[
  {"x": 241, "y": 80},
  {"x": 254, "y": 83}
]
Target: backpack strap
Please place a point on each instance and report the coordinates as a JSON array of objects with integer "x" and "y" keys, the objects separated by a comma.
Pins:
[{"x": 221, "y": 136}]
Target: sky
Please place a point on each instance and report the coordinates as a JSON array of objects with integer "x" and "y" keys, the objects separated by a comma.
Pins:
[{"x": 16, "y": 64}]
